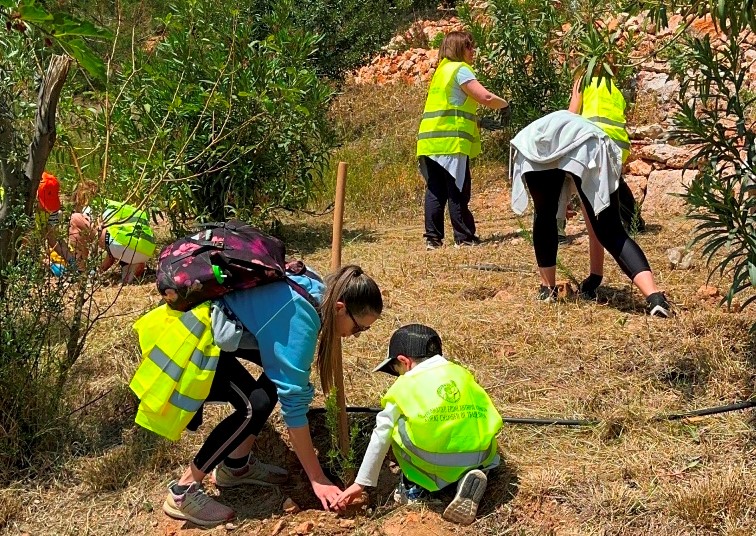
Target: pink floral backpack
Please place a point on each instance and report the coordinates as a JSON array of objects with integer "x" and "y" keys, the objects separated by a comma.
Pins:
[{"x": 221, "y": 258}]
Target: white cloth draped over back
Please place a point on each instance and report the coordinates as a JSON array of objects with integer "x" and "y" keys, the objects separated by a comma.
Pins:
[{"x": 564, "y": 140}]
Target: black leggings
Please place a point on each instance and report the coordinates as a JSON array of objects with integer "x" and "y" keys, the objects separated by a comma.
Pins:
[
  {"x": 545, "y": 188},
  {"x": 253, "y": 402}
]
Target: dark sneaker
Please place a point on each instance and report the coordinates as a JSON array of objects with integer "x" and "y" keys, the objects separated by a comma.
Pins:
[
  {"x": 589, "y": 287},
  {"x": 657, "y": 305},
  {"x": 470, "y": 490},
  {"x": 547, "y": 294},
  {"x": 474, "y": 241},
  {"x": 255, "y": 472},
  {"x": 196, "y": 506},
  {"x": 433, "y": 243}
]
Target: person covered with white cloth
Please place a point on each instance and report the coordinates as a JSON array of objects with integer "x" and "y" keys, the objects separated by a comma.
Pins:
[{"x": 563, "y": 144}]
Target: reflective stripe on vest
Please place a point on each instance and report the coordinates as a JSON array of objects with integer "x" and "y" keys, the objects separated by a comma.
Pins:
[
  {"x": 129, "y": 227},
  {"x": 448, "y": 425},
  {"x": 605, "y": 106},
  {"x": 439, "y": 482},
  {"x": 446, "y": 128},
  {"x": 445, "y": 459},
  {"x": 450, "y": 113},
  {"x": 175, "y": 376},
  {"x": 186, "y": 403},
  {"x": 445, "y": 134}
]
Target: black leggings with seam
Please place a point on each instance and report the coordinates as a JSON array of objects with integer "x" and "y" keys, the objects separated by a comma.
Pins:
[
  {"x": 545, "y": 188},
  {"x": 253, "y": 402}
]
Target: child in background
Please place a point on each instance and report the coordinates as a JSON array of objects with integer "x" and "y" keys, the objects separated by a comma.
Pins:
[
  {"x": 48, "y": 216},
  {"x": 439, "y": 422},
  {"x": 124, "y": 233}
]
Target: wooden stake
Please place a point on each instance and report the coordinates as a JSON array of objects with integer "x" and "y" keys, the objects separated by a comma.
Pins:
[{"x": 338, "y": 371}]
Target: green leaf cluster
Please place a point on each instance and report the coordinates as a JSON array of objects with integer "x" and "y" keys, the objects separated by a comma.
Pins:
[
  {"x": 718, "y": 117},
  {"x": 67, "y": 31},
  {"x": 517, "y": 57},
  {"x": 225, "y": 117}
]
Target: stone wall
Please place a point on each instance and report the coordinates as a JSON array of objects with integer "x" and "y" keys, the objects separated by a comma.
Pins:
[{"x": 655, "y": 168}]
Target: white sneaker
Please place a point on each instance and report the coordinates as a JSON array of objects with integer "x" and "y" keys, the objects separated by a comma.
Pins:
[
  {"x": 196, "y": 506},
  {"x": 470, "y": 490}
]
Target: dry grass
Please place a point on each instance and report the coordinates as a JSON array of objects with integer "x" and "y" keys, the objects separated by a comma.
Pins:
[
  {"x": 377, "y": 131},
  {"x": 602, "y": 360},
  {"x": 646, "y": 110}
]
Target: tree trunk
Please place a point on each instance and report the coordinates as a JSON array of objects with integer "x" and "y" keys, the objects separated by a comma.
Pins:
[{"x": 20, "y": 185}]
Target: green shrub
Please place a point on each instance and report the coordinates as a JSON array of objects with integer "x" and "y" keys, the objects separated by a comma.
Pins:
[
  {"x": 44, "y": 322},
  {"x": 352, "y": 30},
  {"x": 716, "y": 117},
  {"x": 517, "y": 58},
  {"x": 221, "y": 119}
]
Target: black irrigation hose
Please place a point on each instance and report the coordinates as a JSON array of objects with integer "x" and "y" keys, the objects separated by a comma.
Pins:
[
  {"x": 580, "y": 422},
  {"x": 510, "y": 420},
  {"x": 489, "y": 267},
  {"x": 708, "y": 411}
]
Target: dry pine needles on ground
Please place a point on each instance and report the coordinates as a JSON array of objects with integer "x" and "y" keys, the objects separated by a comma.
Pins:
[{"x": 603, "y": 360}]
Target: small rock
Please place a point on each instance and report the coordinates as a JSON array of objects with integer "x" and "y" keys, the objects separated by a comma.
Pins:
[
  {"x": 663, "y": 152},
  {"x": 517, "y": 240},
  {"x": 674, "y": 255},
  {"x": 681, "y": 259},
  {"x": 347, "y": 523},
  {"x": 304, "y": 528},
  {"x": 362, "y": 500},
  {"x": 687, "y": 262},
  {"x": 290, "y": 507},
  {"x": 648, "y": 132},
  {"x": 231, "y": 526},
  {"x": 503, "y": 295},
  {"x": 638, "y": 184},
  {"x": 278, "y": 527},
  {"x": 707, "y": 291},
  {"x": 639, "y": 167},
  {"x": 564, "y": 289}
]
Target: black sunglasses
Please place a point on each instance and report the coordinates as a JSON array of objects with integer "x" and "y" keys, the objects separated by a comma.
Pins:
[{"x": 357, "y": 327}]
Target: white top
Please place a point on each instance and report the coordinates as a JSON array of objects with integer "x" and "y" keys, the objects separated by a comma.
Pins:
[
  {"x": 454, "y": 164},
  {"x": 564, "y": 140}
]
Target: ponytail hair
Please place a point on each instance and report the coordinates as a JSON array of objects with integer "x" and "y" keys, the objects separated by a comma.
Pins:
[{"x": 360, "y": 294}]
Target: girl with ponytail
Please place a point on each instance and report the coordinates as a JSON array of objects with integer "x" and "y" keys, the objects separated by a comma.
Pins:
[{"x": 281, "y": 329}]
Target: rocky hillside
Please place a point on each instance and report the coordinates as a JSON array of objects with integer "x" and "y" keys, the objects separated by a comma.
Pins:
[{"x": 656, "y": 166}]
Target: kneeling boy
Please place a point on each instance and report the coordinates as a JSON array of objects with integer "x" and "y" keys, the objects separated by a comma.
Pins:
[{"x": 439, "y": 422}]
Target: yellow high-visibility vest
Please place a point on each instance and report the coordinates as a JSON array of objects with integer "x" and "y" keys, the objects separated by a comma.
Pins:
[
  {"x": 605, "y": 106},
  {"x": 446, "y": 128},
  {"x": 177, "y": 369},
  {"x": 448, "y": 425},
  {"x": 129, "y": 227}
]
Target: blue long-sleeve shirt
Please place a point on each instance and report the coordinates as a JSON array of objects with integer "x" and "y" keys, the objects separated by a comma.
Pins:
[{"x": 286, "y": 327}]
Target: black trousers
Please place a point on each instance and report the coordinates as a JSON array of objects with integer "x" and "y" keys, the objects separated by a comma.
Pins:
[
  {"x": 441, "y": 189},
  {"x": 545, "y": 188},
  {"x": 253, "y": 401}
]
